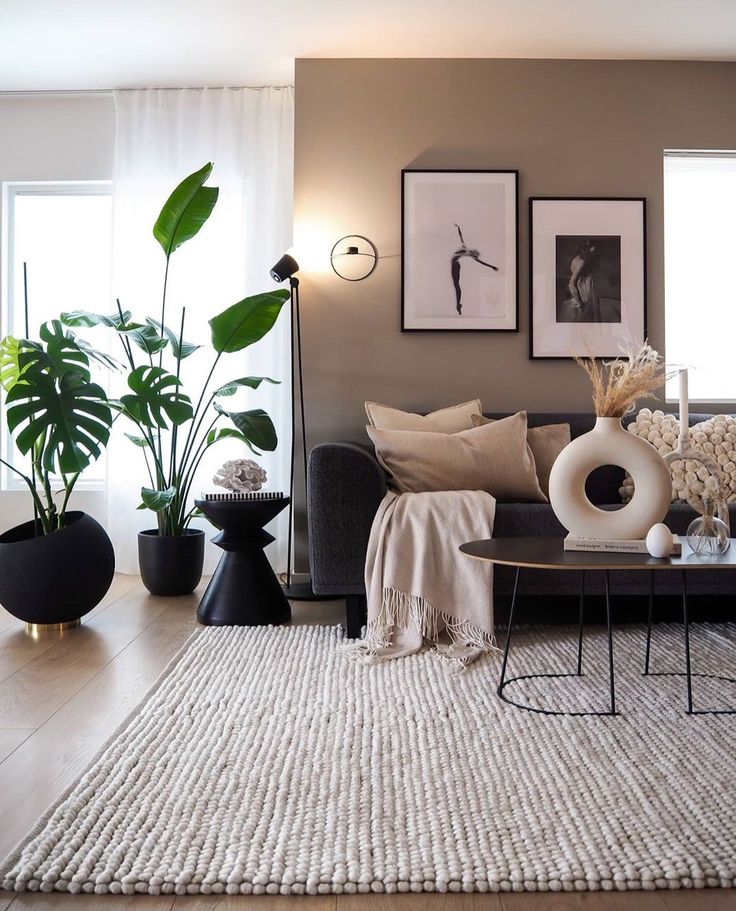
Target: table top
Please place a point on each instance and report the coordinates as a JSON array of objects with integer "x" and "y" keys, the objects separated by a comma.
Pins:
[
  {"x": 548, "y": 553},
  {"x": 238, "y": 502},
  {"x": 242, "y": 515}
]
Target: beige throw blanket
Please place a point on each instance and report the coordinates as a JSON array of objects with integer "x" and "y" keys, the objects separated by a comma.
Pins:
[{"x": 420, "y": 587}]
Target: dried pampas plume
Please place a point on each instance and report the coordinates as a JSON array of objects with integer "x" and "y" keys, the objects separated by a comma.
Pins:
[{"x": 617, "y": 385}]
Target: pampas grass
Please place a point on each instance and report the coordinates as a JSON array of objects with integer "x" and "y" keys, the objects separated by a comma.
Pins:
[{"x": 617, "y": 385}]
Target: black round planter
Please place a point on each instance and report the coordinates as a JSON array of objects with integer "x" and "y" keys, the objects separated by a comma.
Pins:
[
  {"x": 171, "y": 564},
  {"x": 55, "y": 579}
]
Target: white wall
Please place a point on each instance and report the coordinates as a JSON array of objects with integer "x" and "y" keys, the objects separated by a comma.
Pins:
[{"x": 54, "y": 137}]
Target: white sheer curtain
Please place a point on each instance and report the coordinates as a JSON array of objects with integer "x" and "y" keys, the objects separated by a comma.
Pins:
[{"x": 161, "y": 136}]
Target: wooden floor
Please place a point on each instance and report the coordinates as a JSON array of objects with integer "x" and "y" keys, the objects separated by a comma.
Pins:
[{"x": 62, "y": 696}]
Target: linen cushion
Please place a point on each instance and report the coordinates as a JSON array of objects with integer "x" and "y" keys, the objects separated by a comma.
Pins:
[
  {"x": 715, "y": 437},
  {"x": 495, "y": 458},
  {"x": 446, "y": 420},
  {"x": 545, "y": 442}
]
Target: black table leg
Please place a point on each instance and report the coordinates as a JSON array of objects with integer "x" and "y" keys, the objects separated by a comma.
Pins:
[
  {"x": 650, "y": 617},
  {"x": 610, "y": 644},
  {"x": 688, "y": 675},
  {"x": 686, "y": 623},
  {"x": 502, "y": 681},
  {"x": 581, "y": 608}
]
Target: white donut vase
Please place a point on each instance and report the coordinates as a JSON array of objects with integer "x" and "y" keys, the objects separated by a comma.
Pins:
[{"x": 609, "y": 444}]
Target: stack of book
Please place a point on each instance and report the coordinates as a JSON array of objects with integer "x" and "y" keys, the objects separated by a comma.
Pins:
[{"x": 612, "y": 546}]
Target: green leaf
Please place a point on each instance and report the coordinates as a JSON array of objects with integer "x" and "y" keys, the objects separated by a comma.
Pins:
[
  {"x": 137, "y": 441},
  {"x": 10, "y": 368},
  {"x": 144, "y": 336},
  {"x": 253, "y": 382},
  {"x": 214, "y": 436},
  {"x": 247, "y": 321},
  {"x": 185, "y": 211},
  {"x": 187, "y": 348},
  {"x": 256, "y": 426},
  {"x": 61, "y": 355},
  {"x": 198, "y": 514},
  {"x": 58, "y": 338},
  {"x": 155, "y": 394},
  {"x": 72, "y": 416},
  {"x": 83, "y": 319},
  {"x": 157, "y": 500},
  {"x": 106, "y": 360}
]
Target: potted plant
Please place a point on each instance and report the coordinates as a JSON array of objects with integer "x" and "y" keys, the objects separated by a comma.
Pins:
[
  {"x": 173, "y": 433},
  {"x": 57, "y": 566}
]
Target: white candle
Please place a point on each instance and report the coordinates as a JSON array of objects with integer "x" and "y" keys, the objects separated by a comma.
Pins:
[{"x": 684, "y": 407}]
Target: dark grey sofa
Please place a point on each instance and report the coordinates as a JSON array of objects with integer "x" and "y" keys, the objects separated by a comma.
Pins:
[{"x": 346, "y": 485}]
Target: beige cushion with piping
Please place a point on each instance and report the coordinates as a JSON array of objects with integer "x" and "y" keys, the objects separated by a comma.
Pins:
[
  {"x": 546, "y": 443},
  {"x": 446, "y": 420},
  {"x": 495, "y": 458}
]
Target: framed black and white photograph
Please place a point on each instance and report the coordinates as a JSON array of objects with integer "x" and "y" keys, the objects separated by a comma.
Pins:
[
  {"x": 459, "y": 251},
  {"x": 587, "y": 276}
]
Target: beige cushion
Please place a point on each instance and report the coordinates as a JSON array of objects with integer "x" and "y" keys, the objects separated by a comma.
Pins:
[
  {"x": 495, "y": 458},
  {"x": 546, "y": 443},
  {"x": 446, "y": 420}
]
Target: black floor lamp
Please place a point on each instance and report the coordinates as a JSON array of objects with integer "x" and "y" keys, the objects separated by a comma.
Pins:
[{"x": 286, "y": 268}]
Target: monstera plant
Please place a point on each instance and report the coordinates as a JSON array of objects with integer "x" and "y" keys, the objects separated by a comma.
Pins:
[
  {"x": 56, "y": 567},
  {"x": 173, "y": 429},
  {"x": 59, "y": 418}
]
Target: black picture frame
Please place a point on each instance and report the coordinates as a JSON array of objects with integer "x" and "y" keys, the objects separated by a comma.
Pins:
[
  {"x": 513, "y": 310},
  {"x": 639, "y": 268}
]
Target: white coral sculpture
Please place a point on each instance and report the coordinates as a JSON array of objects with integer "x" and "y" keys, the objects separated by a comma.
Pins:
[{"x": 240, "y": 476}]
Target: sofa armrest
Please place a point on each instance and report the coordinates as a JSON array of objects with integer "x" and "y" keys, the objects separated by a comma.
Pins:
[{"x": 345, "y": 488}]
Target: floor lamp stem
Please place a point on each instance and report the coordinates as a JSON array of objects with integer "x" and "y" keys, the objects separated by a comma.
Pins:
[
  {"x": 292, "y": 324},
  {"x": 297, "y": 386},
  {"x": 301, "y": 392}
]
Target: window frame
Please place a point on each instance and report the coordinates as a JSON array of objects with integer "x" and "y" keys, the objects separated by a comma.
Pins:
[
  {"x": 685, "y": 153},
  {"x": 11, "y": 190}
]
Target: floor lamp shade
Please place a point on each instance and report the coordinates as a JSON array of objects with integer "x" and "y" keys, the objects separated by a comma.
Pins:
[{"x": 284, "y": 268}]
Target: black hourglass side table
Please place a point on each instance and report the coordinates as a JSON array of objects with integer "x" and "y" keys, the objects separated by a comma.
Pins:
[{"x": 244, "y": 590}]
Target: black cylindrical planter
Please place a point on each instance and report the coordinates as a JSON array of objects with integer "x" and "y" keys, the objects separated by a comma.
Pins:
[
  {"x": 171, "y": 564},
  {"x": 55, "y": 578}
]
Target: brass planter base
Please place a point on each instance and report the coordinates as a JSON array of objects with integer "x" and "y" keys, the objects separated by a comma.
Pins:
[{"x": 34, "y": 630}]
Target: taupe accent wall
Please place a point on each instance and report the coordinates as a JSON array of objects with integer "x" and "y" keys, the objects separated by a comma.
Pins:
[{"x": 572, "y": 128}]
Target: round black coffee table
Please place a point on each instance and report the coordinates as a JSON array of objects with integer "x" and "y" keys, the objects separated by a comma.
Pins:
[
  {"x": 244, "y": 590},
  {"x": 549, "y": 554}
]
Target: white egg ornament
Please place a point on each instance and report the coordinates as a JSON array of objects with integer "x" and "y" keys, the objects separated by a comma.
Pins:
[{"x": 660, "y": 540}]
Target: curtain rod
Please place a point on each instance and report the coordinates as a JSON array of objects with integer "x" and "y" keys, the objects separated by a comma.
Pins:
[{"x": 163, "y": 88}]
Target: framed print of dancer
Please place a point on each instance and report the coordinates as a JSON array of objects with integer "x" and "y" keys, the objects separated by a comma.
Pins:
[
  {"x": 587, "y": 275},
  {"x": 459, "y": 251},
  {"x": 588, "y": 279},
  {"x": 463, "y": 250}
]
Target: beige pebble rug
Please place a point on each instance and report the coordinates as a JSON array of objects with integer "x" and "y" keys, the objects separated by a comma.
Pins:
[{"x": 268, "y": 760}]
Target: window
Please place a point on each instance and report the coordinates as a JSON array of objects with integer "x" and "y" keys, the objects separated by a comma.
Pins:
[
  {"x": 62, "y": 231},
  {"x": 700, "y": 295}
]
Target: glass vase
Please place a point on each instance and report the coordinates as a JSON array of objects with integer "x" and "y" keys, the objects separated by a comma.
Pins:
[{"x": 708, "y": 535}]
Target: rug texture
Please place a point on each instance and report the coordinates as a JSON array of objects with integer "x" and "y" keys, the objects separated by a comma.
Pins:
[{"x": 266, "y": 760}]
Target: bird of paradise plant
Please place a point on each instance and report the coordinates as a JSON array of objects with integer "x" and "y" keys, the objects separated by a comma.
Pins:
[{"x": 173, "y": 433}]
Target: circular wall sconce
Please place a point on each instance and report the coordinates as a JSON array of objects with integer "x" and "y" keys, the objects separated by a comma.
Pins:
[{"x": 354, "y": 257}]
